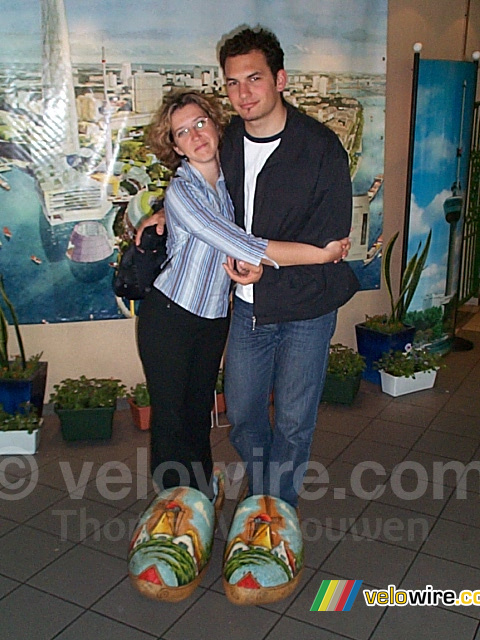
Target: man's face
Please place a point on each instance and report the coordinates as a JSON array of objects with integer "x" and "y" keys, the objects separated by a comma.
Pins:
[{"x": 253, "y": 91}]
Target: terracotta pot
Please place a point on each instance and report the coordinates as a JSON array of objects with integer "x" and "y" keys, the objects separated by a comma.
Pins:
[
  {"x": 220, "y": 403},
  {"x": 140, "y": 415}
]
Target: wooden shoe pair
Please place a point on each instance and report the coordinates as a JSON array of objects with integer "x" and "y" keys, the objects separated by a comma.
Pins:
[{"x": 264, "y": 553}]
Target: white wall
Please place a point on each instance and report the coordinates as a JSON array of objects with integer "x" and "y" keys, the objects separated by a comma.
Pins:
[{"x": 108, "y": 348}]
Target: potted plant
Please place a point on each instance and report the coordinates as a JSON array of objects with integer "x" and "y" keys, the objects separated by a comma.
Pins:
[
  {"x": 406, "y": 371},
  {"x": 20, "y": 431},
  {"x": 383, "y": 333},
  {"x": 22, "y": 380},
  {"x": 219, "y": 401},
  {"x": 344, "y": 372},
  {"x": 139, "y": 401},
  {"x": 85, "y": 407}
]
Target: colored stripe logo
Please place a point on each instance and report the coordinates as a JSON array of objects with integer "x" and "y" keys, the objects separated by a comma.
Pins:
[{"x": 336, "y": 595}]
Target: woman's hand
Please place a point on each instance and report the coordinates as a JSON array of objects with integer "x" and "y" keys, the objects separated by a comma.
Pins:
[
  {"x": 337, "y": 250},
  {"x": 243, "y": 272},
  {"x": 157, "y": 219}
]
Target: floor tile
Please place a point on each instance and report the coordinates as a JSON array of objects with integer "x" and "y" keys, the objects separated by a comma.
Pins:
[
  {"x": 92, "y": 625},
  {"x": 114, "y": 536},
  {"x": 72, "y": 519},
  {"x": 289, "y": 628},
  {"x": 126, "y": 605},
  {"x": 357, "y": 623},
  {"x": 402, "y": 435},
  {"x": 25, "y": 505},
  {"x": 118, "y": 488},
  {"x": 463, "y": 509},
  {"x": 404, "y": 413},
  {"x": 448, "y": 422},
  {"x": 81, "y": 575},
  {"x": 464, "y": 405},
  {"x": 213, "y": 612},
  {"x": 369, "y": 402},
  {"x": 447, "y": 445},
  {"x": 443, "y": 574},
  {"x": 435, "y": 398},
  {"x": 67, "y": 474},
  {"x": 375, "y": 562},
  {"x": 393, "y": 470},
  {"x": 26, "y": 551},
  {"x": 282, "y": 605},
  {"x": 214, "y": 570},
  {"x": 394, "y": 525},
  {"x": 334, "y": 422},
  {"x": 364, "y": 482},
  {"x": 423, "y": 623},
  {"x": 414, "y": 493},
  {"x": 333, "y": 512},
  {"x": 366, "y": 451},
  {"x": 29, "y": 613},
  {"x": 454, "y": 541},
  {"x": 436, "y": 468},
  {"x": 329, "y": 445},
  {"x": 6, "y": 526},
  {"x": 319, "y": 542},
  {"x": 7, "y": 585}
]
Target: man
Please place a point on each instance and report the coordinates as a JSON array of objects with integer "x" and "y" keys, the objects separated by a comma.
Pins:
[{"x": 289, "y": 179}]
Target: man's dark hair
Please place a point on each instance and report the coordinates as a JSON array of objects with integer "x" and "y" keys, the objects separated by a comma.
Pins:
[{"x": 257, "y": 39}]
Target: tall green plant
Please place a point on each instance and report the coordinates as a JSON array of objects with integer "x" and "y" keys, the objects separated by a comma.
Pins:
[
  {"x": 4, "y": 359},
  {"x": 410, "y": 279}
]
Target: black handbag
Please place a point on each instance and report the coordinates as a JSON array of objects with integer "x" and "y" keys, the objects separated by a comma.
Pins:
[{"x": 139, "y": 266}]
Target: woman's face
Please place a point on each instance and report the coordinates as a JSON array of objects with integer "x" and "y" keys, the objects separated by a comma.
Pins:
[{"x": 194, "y": 135}]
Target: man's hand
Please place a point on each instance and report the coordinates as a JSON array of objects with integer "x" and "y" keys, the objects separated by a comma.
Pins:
[
  {"x": 157, "y": 219},
  {"x": 243, "y": 272}
]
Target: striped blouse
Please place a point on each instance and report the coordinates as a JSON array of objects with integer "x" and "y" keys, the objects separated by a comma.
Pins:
[{"x": 201, "y": 234}]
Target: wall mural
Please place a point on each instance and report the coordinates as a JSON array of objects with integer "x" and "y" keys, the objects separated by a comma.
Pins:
[
  {"x": 441, "y": 154},
  {"x": 79, "y": 82}
]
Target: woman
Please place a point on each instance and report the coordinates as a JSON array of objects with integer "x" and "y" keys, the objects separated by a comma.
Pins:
[{"x": 183, "y": 322}]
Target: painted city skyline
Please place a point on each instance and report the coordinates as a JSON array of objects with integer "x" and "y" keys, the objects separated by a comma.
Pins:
[
  {"x": 80, "y": 191},
  {"x": 335, "y": 36}
]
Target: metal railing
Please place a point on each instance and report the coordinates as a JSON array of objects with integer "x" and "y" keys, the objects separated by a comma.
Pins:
[{"x": 469, "y": 282}]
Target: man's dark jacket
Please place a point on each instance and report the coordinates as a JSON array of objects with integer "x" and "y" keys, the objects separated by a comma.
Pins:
[{"x": 304, "y": 194}]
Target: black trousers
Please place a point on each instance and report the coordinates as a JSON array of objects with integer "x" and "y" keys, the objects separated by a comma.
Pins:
[{"x": 180, "y": 354}]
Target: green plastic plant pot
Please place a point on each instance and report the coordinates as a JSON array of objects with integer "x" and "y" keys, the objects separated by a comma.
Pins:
[
  {"x": 338, "y": 391},
  {"x": 86, "y": 424}
]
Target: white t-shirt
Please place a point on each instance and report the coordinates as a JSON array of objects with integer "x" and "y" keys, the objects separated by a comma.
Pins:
[{"x": 257, "y": 151}]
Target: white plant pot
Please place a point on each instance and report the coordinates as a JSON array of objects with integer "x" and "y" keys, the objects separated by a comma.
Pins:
[
  {"x": 400, "y": 385},
  {"x": 19, "y": 442}
]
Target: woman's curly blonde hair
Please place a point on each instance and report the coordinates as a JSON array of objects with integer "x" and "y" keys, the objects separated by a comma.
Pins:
[{"x": 159, "y": 136}]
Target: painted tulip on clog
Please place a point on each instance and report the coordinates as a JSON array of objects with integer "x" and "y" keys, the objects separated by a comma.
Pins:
[
  {"x": 264, "y": 552},
  {"x": 172, "y": 544}
]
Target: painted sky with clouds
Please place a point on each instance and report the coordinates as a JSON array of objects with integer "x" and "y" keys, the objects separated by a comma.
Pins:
[
  {"x": 437, "y": 137},
  {"x": 331, "y": 35}
]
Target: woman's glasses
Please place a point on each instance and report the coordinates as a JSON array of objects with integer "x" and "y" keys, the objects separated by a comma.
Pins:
[{"x": 200, "y": 124}]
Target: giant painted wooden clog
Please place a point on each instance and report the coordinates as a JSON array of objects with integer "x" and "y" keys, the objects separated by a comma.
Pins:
[
  {"x": 264, "y": 552},
  {"x": 172, "y": 544}
]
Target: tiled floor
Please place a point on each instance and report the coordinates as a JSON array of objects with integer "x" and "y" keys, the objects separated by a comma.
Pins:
[{"x": 392, "y": 514}]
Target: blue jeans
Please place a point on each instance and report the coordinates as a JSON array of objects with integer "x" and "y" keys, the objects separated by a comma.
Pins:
[{"x": 290, "y": 359}]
